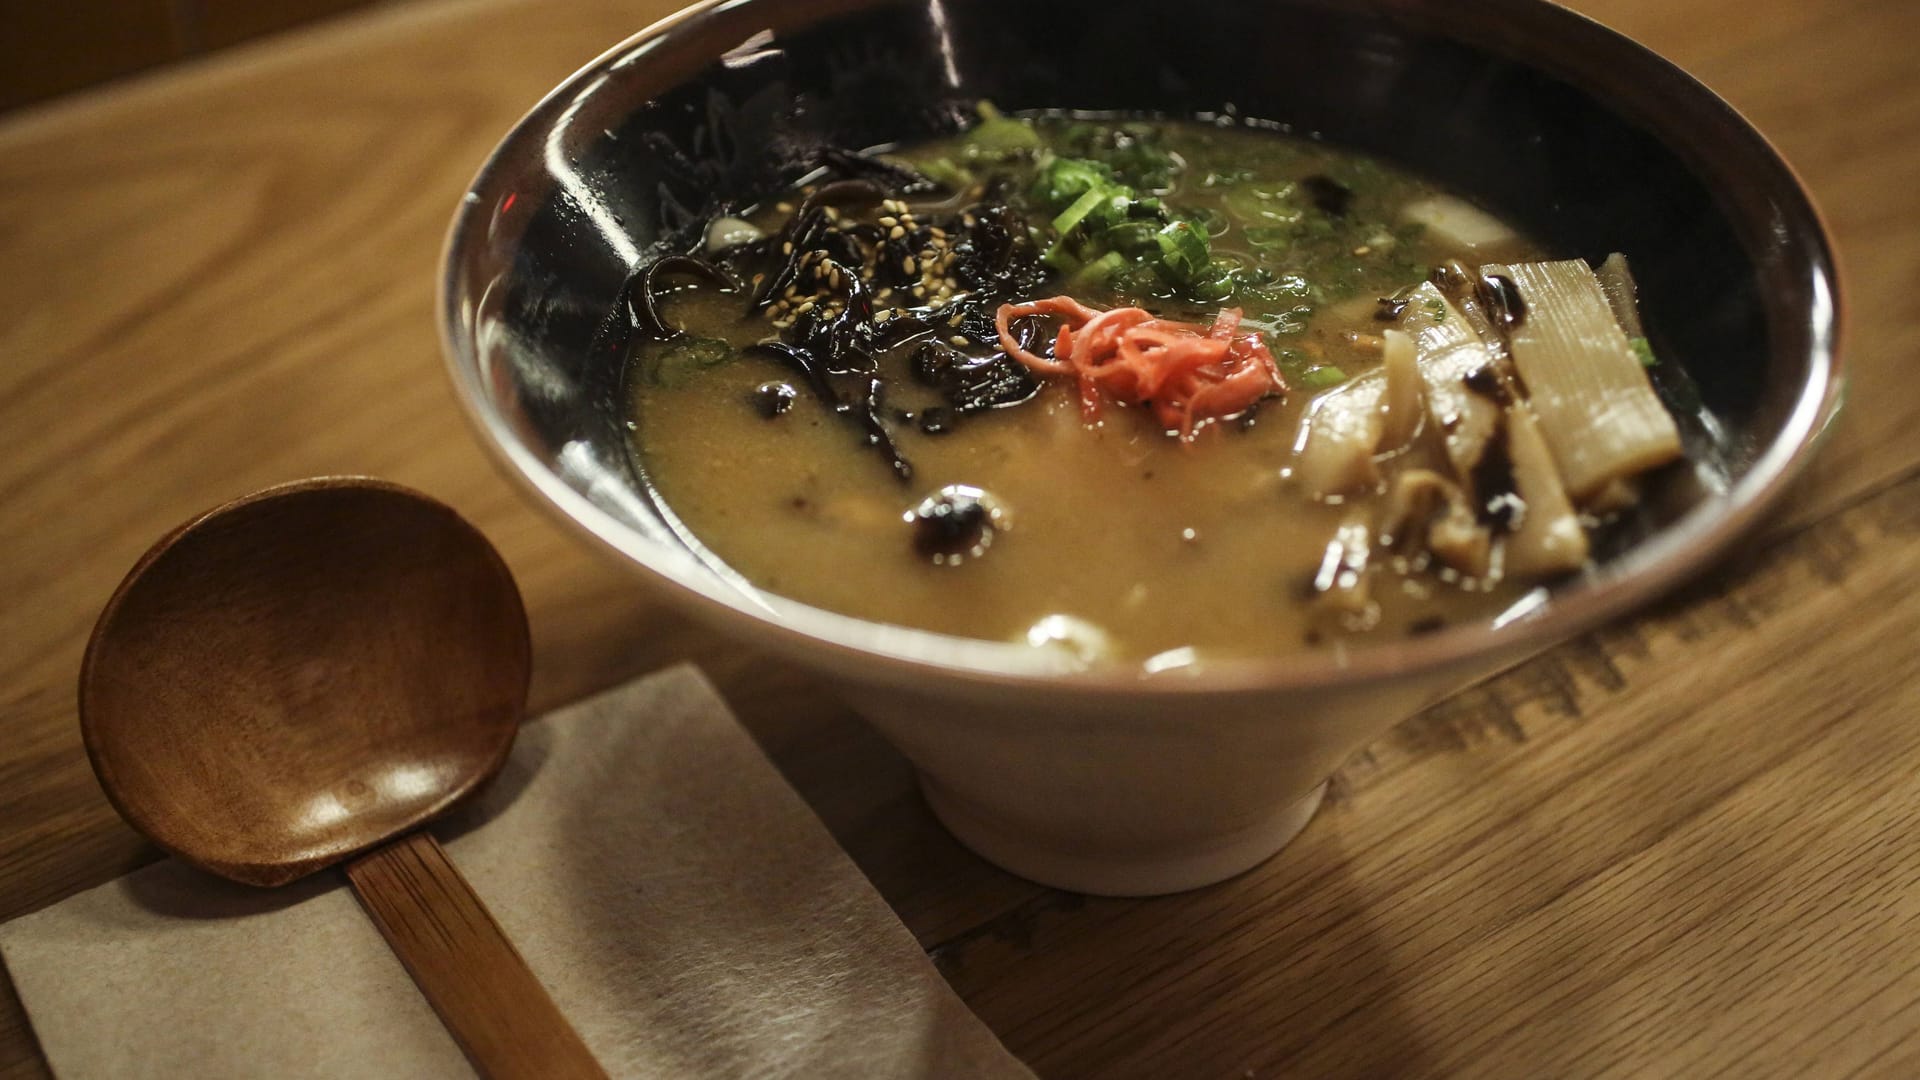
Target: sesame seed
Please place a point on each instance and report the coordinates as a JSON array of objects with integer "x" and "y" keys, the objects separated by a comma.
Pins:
[
  {"x": 785, "y": 207},
  {"x": 896, "y": 233},
  {"x": 958, "y": 339},
  {"x": 805, "y": 306},
  {"x": 1362, "y": 250},
  {"x": 786, "y": 248},
  {"x": 906, "y": 265},
  {"x": 955, "y": 321},
  {"x": 920, "y": 291},
  {"x": 888, "y": 221}
]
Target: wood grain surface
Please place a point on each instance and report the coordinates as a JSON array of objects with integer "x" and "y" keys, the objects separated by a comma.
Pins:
[
  {"x": 1682, "y": 846},
  {"x": 53, "y": 49}
]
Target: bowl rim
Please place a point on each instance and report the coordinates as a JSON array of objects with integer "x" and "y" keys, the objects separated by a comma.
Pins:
[{"x": 872, "y": 652}]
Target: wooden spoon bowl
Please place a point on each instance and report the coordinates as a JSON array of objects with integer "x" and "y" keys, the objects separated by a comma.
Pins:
[
  {"x": 306, "y": 676},
  {"x": 301, "y": 674}
]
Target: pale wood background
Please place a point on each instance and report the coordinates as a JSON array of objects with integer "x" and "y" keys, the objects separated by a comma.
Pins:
[
  {"x": 1683, "y": 846},
  {"x": 53, "y": 47}
]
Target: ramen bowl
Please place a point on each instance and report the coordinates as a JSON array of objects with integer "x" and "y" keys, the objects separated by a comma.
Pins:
[{"x": 1107, "y": 778}]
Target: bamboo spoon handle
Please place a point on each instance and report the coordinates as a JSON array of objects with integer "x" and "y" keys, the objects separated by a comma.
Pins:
[{"x": 475, "y": 979}]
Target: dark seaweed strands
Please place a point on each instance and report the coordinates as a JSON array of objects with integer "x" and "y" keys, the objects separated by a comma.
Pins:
[
  {"x": 642, "y": 299},
  {"x": 841, "y": 292},
  {"x": 899, "y": 180},
  {"x": 827, "y": 351},
  {"x": 823, "y": 348},
  {"x": 809, "y": 234}
]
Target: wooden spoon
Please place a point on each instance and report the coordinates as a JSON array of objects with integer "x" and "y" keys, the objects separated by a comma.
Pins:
[{"x": 307, "y": 675}]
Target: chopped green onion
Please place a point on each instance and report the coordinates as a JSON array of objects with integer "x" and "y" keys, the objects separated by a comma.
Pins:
[
  {"x": 1081, "y": 207},
  {"x": 1005, "y": 136},
  {"x": 945, "y": 172},
  {"x": 1064, "y": 180},
  {"x": 998, "y": 136},
  {"x": 1133, "y": 238},
  {"x": 1132, "y": 152},
  {"x": 1212, "y": 290},
  {"x": 1100, "y": 271},
  {"x": 1096, "y": 215},
  {"x": 1643, "y": 351},
  {"x": 1138, "y": 279},
  {"x": 1209, "y": 220},
  {"x": 1058, "y": 257},
  {"x": 1114, "y": 210},
  {"x": 1183, "y": 253},
  {"x": 1319, "y": 378}
]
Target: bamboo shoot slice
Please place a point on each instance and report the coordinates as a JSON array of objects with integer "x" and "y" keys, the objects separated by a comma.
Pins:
[
  {"x": 1622, "y": 293},
  {"x": 1598, "y": 413},
  {"x": 1548, "y": 539},
  {"x": 1347, "y": 427},
  {"x": 1401, "y": 416},
  {"x": 1449, "y": 352},
  {"x": 1425, "y": 510},
  {"x": 1459, "y": 224},
  {"x": 1333, "y": 454}
]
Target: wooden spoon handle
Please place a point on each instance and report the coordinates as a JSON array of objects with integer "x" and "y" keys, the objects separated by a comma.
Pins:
[{"x": 476, "y": 980}]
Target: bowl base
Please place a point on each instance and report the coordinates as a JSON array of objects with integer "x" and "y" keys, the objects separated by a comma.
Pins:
[{"x": 1119, "y": 875}]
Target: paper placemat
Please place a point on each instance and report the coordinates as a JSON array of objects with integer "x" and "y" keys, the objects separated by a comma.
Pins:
[{"x": 683, "y": 905}]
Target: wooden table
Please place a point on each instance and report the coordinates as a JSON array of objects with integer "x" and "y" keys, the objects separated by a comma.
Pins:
[{"x": 1688, "y": 844}]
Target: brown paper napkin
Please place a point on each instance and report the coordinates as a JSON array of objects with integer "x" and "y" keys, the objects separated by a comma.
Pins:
[{"x": 685, "y": 908}]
